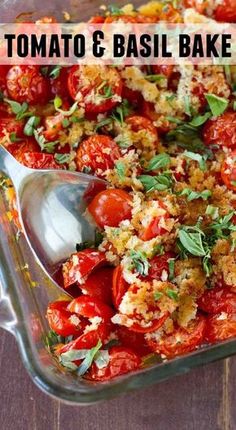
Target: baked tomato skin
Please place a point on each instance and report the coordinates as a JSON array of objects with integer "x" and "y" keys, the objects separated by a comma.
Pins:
[
  {"x": 163, "y": 69},
  {"x": 155, "y": 325},
  {"x": 110, "y": 207},
  {"x": 99, "y": 285},
  {"x": 59, "y": 319},
  {"x": 10, "y": 125},
  {"x": 90, "y": 307},
  {"x": 138, "y": 123},
  {"x": 220, "y": 327},
  {"x": 217, "y": 299},
  {"x": 182, "y": 340},
  {"x": 37, "y": 160},
  {"x": 158, "y": 264},
  {"x": 221, "y": 130},
  {"x": 81, "y": 264},
  {"x": 19, "y": 148},
  {"x": 135, "y": 341},
  {"x": 226, "y": 11},
  {"x": 26, "y": 84},
  {"x": 122, "y": 360},
  {"x": 88, "y": 85},
  {"x": 3, "y": 75},
  {"x": 119, "y": 286},
  {"x": 97, "y": 153},
  {"x": 155, "y": 228},
  {"x": 53, "y": 125},
  {"x": 228, "y": 171}
]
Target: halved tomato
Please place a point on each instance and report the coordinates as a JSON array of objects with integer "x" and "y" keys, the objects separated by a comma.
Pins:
[
  {"x": 217, "y": 299},
  {"x": 61, "y": 320},
  {"x": 119, "y": 286},
  {"x": 228, "y": 171},
  {"x": 220, "y": 327},
  {"x": 99, "y": 285},
  {"x": 37, "y": 160},
  {"x": 221, "y": 130},
  {"x": 90, "y": 307}
]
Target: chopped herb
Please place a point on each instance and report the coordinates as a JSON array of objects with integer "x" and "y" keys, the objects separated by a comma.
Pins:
[
  {"x": 120, "y": 169},
  {"x": 212, "y": 211},
  {"x": 20, "y": 110},
  {"x": 161, "y": 182},
  {"x": 171, "y": 263},
  {"x": 227, "y": 73},
  {"x": 192, "y": 240},
  {"x": 65, "y": 123},
  {"x": 98, "y": 238},
  {"x": 216, "y": 104},
  {"x": 44, "y": 145},
  {"x": 199, "y": 120},
  {"x": 31, "y": 124},
  {"x": 14, "y": 138},
  {"x": 160, "y": 160},
  {"x": 124, "y": 143},
  {"x": 140, "y": 262},
  {"x": 55, "y": 73},
  {"x": 121, "y": 111},
  {"x": 44, "y": 70},
  {"x": 158, "y": 250},
  {"x": 158, "y": 295},
  {"x": 201, "y": 159},
  {"x": 104, "y": 122},
  {"x": 187, "y": 106},
  {"x": 155, "y": 78},
  {"x": 63, "y": 158},
  {"x": 172, "y": 294},
  {"x": 57, "y": 102},
  {"x": 86, "y": 363},
  {"x": 115, "y": 10},
  {"x": 193, "y": 195},
  {"x": 66, "y": 112}
]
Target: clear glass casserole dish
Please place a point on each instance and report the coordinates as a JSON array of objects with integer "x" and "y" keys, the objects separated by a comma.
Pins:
[{"x": 25, "y": 294}]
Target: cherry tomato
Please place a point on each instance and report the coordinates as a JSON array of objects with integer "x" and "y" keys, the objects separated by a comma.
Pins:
[
  {"x": 53, "y": 125},
  {"x": 99, "y": 285},
  {"x": 97, "y": 153},
  {"x": 155, "y": 325},
  {"x": 158, "y": 264},
  {"x": 110, "y": 207},
  {"x": 27, "y": 145},
  {"x": 221, "y": 130},
  {"x": 97, "y": 20},
  {"x": 81, "y": 264},
  {"x": 26, "y": 84},
  {"x": 228, "y": 171},
  {"x": 11, "y": 125},
  {"x": 133, "y": 97},
  {"x": 36, "y": 160},
  {"x": 121, "y": 360},
  {"x": 182, "y": 340},
  {"x": 119, "y": 286},
  {"x": 148, "y": 110},
  {"x": 60, "y": 319},
  {"x": 155, "y": 228},
  {"x": 138, "y": 123},
  {"x": 97, "y": 88},
  {"x": 59, "y": 84},
  {"x": 131, "y": 339},
  {"x": 226, "y": 11},
  {"x": 217, "y": 299},
  {"x": 220, "y": 327},
  {"x": 90, "y": 307},
  {"x": 3, "y": 75},
  {"x": 163, "y": 69}
]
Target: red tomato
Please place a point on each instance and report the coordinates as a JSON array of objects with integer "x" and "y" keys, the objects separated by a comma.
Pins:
[
  {"x": 97, "y": 20},
  {"x": 133, "y": 340},
  {"x": 81, "y": 264},
  {"x": 138, "y": 123},
  {"x": 36, "y": 160},
  {"x": 221, "y": 130},
  {"x": 133, "y": 97},
  {"x": 156, "y": 324},
  {"x": 110, "y": 207},
  {"x": 163, "y": 69},
  {"x": 3, "y": 74},
  {"x": 148, "y": 110},
  {"x": 90, "y": 307},
  {"x": 53, "y": 125},
  {"x": 11, "y": 125},
  {"x": 228, "y": 171},
  {"x": 88, "y": 85},
  {"x": 26, "y": 84},
  {"x": 155, "y": 228},
  {"x": 158, "y": 264},
  {"x": 121, "y": 18},
  {"x": 98, "y": 153},
  {"x": 119, "y": 286},
  {"x": 122, "y": 360},
  {"x": 59, "y": 85},
  {"x": 182, "y": 340},
  {"x": 217, "y": 299},
  {"x": 220, "y": 327},
  {"x": 99, "y": 285},
  {"x": 226, "y": 11},
  {"x": 20, "y": 148},
  {"x": 60, "y": 321}
]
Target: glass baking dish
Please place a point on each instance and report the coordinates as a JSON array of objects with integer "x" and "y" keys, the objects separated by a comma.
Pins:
[{"x": 25, "y": 290}]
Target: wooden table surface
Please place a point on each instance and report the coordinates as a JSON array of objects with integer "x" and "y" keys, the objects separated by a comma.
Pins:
[{"x": 203, "y": 399}]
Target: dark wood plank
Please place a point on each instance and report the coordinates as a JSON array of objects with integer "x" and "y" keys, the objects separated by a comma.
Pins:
[{"x": 202, "y": 399}]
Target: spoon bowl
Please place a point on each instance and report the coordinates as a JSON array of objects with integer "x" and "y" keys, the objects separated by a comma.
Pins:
[{"x": 51, "y": 206}]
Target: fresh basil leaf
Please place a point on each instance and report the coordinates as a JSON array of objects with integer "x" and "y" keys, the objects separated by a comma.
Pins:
[
  {"x": 199, "y": 120},
  {"x": 120, "y": 112},
  {"x": 66, "y": 112},
  {"x": 172, "y": 294},
  {"x": 63, "y": 158},
  {"x": 212, "y": 211},
  {"x": 155, "y": 78},
  {"x": 55, "y": 73},
  {"x": 102, "y": 359},
  {"x": 193, "y": 195},
  {"x": 171, "y": 264},
  {"x": 86, "y": 363},
  {"x": 104, "y": 122},
  {"x": 158, "y": 295},
  {"x": 140, "y": 262},
  {"x": 159, "y": 161},
  {"x": 57, "y": 102},
  {"x": 201, "y": 159},
  {"x": 161, "y": 182},
  {"x": 216, "y": 104},
  {"x": 31, "y": 124},
  {"x": 20, "y": 110},
  {"x": 192, "y": 242},
  {"x": 120, "y": 169}
]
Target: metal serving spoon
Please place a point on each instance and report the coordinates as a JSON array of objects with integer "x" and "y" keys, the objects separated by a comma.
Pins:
[{"x": 51, "y": 205}]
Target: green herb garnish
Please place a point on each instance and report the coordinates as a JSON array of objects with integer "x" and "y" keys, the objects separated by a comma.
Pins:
[
  {"x": 216, "y": 104},
  {"x": 140, "y": 262},
  {"x": 31, "y": 124},
  {"x": 159, "y": 161}
]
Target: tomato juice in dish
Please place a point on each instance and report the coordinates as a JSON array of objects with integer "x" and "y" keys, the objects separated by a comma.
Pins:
[{"x": 160, "y": 277}]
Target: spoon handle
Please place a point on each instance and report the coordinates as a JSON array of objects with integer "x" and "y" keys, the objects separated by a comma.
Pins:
[{"x": 12, "y": 168}]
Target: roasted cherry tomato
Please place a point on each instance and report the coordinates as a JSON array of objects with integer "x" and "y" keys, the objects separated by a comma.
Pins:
[
  {"x": 81, "y": 264},
  {"x": 181, "y": 341},
  {"x": 96, "y": 88},
  {"x": 99, "y": 285},
  {"x": 3, "y": 75},
  {"x": 26, "y": 84},
  {"x": 163, "y": 69},
  {"x": 220, "y": 327},
  {"x": 155, "y": 227},
  {"x": 133, "y": 340},
  {"x": 10, "y": 125},
  {"x": 138, "y": 123},
  {"x": 228, "y": 171},
  {"x": 90, "y": 307},
  {"x": 61, "y": 320},
  {"x": 121, "y": 360},
  {"x": 97, "y": 153},
  {"x": 36, "y": 160},
  {"x": 53, "y": 125},
  {"x": 133, "y": 97},
  {"x": 221, "y": 130},
  {"x": 110, "y": 207},
  {"x": 148, "y": 110},
  {"x": 223, "y": 12},
  {"x": 158, "y": 264},
  {"x": 217, "y": 299},
  {"x": 27, "y": 145},
  {"x": 119, "y": 286},
  {"x": 121, "y": 18},
  {"x": 59, "y": 84}
]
